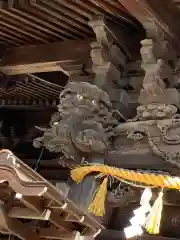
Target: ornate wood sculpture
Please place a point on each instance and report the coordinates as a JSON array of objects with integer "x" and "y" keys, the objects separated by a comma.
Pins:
[
  {"x": 86, "y": 128},
  {"x": 83, "y": 128},
  {"x": 83, "y": 125},
  {"x": 89, "y": 125},
  {"x": 109, "y": 59},
  {"x": 157, "y": 116}
]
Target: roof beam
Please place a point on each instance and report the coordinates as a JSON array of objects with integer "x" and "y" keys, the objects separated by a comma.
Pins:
[
  {"x": 151, "y": 14},
  {"x": 134, "y": 159},
  {"x": 65, "y": 56}
]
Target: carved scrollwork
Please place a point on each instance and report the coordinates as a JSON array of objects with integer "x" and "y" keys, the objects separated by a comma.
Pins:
[
  {"x": 160, "y": 125},
  {"x": 135, "y": 135},
  {"x": 163, "y": 136},
  {"x": 165, "y": 130}
]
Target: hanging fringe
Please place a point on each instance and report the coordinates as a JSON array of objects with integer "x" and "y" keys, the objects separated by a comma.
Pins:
[
  {"x": 97, "y": 207},
  {"x": 153, "y": 221}
]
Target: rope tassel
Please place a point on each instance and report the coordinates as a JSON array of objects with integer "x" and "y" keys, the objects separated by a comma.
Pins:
[
  {"x": 153, "y": 221},
  {"x": 97, "y": 207},
  {"x": 135, "y": 178}
]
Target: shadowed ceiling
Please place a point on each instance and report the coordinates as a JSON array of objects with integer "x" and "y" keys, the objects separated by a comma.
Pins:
[{"x": 25, "y": 22}]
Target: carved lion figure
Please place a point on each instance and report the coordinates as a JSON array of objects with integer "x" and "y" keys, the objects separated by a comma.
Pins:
[{"x": 83, "y": 124}]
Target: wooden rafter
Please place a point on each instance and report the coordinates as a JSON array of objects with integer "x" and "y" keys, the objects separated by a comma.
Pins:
[
  {"x": 34, "y": 199},
  {"x": 64, "y": 56},
  {"x": 152, "y": 11}
]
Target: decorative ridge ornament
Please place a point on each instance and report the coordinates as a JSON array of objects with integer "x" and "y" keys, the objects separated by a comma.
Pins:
[{"x": 141, "y": 179}]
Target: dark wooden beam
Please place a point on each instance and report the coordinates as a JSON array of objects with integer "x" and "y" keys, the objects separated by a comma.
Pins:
[
  {"x": 49, "y": 169},
  {"x": 64, "y": 56},
  {"x": 159, "y": 13},
  {"x": 129, "y": 158},
  {"x": 50, "y": 163},
  {"x": 138, "y": 159},
  {"x": 53, "y": 174}
]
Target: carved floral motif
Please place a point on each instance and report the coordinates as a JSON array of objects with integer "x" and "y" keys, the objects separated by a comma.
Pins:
[
  {"x": 155, "y": 111},
  {"x": 163, "y": 135}
]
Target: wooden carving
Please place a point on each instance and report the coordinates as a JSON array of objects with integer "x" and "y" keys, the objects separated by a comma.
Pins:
[
  {"x": 157, "y": 61},
  {"x": 160, "y": 126},
  {"x": 83, "y": 125},
  {"x": 158, "y": 49},
  {"x": 109, "y": 60}
]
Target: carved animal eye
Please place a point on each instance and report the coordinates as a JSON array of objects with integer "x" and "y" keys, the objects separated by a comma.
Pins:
[
  {"x": 94, "y": 102},
  {"x": 79, "y": 97}
]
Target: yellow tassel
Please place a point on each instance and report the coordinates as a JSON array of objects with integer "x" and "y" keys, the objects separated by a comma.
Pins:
[
  {"x": 97, "y": 207},
  {"x": 154, "y": 218}
]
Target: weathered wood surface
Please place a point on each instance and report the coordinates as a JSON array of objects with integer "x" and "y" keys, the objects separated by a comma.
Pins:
[
  {"x": 152, "y": 12},
  {"x": 29, "y": 90},
  {"x": 147, "y": 144},
  {"x": 27, "y": 203},
  {"x": 137, "y": 158},
  {"x": 46, "y": 57},
  {"x": 41, "y": 21}
]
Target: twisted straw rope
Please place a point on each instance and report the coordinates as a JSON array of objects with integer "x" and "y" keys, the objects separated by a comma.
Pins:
[{"x": 156, "y": 180}]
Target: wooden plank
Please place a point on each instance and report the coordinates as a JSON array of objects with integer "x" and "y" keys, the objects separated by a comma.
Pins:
[
  {"x": 129, "y": 158},
  {"x": 25, "y": 213},
  {"x": 45, "y": 57},
  {"x": 51, "y": 233},
  {"x": 15, "y": 227},
  {"x": 49, "y": 163},
  {"x": 140, "y": 159},
  {"x": 54, "y": 174},
  {"x": 32, "y": 203},
  {"x": 27, "y": 180}
]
